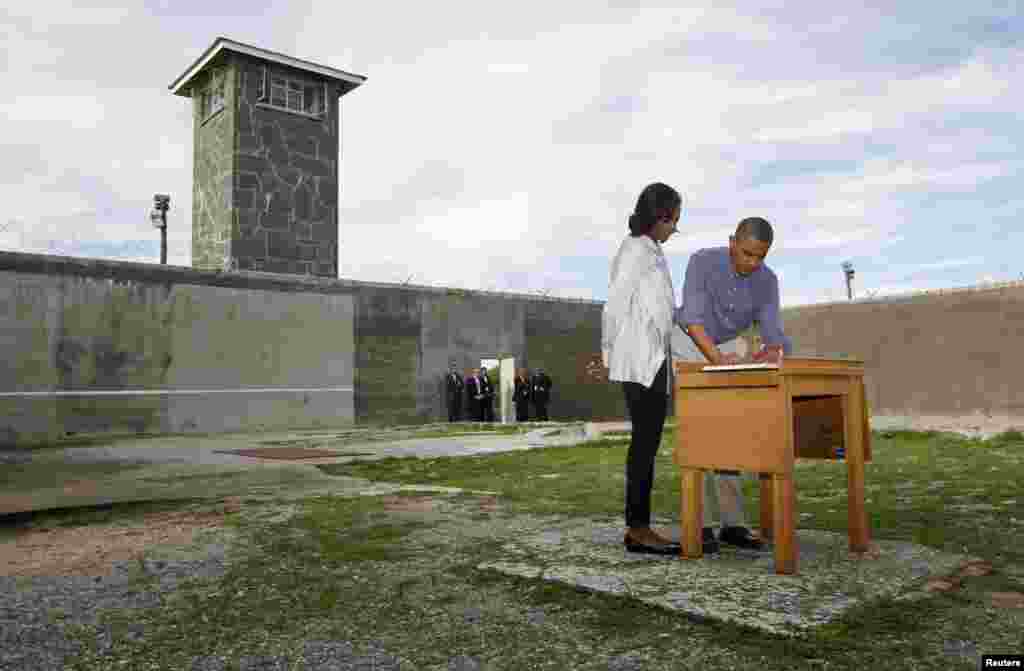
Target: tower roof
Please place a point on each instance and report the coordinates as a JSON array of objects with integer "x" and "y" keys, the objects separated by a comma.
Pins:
[{"x": 180, "y": 86}]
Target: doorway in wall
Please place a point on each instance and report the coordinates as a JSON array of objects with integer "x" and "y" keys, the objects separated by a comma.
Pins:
[{"x": 502, "y": 373}]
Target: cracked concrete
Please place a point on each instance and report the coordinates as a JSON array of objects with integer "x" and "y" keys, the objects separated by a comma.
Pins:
[{"x": 734, "y": 585}]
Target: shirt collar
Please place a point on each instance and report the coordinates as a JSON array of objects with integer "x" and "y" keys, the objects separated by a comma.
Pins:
[
  {"x": 732, "y": 270},
  {"x": 651, "y": 243}
]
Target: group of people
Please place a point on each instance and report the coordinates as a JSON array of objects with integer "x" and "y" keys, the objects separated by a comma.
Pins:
[
  {"x": 478, "y": 390},
  {"x": 724, "y": 291}
]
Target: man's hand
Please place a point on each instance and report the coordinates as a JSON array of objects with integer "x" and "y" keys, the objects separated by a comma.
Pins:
[
  {"x": 768, "y": 354},
  {"x": 595, "y": 370},
  {"x": 728, "y": 359}
]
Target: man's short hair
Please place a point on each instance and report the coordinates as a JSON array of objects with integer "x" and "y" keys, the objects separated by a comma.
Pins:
[{"x": 756, "y": 228}]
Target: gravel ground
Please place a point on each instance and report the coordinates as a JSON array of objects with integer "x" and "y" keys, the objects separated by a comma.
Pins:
[{"x": 35, "y": 610}]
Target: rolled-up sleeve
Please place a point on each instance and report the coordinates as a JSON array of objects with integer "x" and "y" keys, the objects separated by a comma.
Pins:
[
  {"x": 695, "y": 295},
  {"x": 771, "y": 320}
]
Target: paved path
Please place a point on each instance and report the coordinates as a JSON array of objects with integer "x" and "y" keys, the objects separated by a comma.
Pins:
[{"x": 185, "y": 466}]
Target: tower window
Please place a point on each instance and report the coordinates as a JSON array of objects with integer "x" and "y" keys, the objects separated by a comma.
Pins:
[
  {"x": 292, "y": 94},
  {"x": 211, "y": 99}
]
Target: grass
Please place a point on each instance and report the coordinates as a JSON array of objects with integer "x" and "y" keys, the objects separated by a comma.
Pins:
[
  {"x": 54, "y": 473},
  {"x": 362, "y": 433},
  {"x": 352, "y": 570}
]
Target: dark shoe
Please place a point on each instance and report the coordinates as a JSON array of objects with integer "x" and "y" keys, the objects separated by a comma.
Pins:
[
  {"x": 668, "y": 548},
  {"x": 740, "y": 537},
  {"x": 709, "y": 544}
]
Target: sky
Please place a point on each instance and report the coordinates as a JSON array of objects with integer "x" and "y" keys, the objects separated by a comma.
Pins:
[{"x": 502, "y": 146}]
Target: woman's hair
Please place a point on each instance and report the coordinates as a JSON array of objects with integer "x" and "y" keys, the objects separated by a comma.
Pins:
[{"x": 656, "y": 201}]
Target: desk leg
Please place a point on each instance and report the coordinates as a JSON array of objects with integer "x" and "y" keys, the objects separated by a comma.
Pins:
[
  {"x": 766, "y": 506},
  {"x": 853, "y": 439},
  {"x": 692, "y": 509},
  {"x": 783, "y": 499}
]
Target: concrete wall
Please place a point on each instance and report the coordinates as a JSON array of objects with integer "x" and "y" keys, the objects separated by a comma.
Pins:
[
  {"x": 220, "y": 351},
  {"x": 90, "y": 346},
  {"x": 411, "y": 333},
  {"x": 951, "y": 353}
]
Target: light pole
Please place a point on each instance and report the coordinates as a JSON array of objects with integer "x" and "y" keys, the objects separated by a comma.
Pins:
[
  {"x": 848, "y": 271},
  {"x": 161, "y": 203}
]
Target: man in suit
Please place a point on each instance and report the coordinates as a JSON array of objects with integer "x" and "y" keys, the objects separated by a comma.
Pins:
[
  {"x": 455, "y": 388},
  {"x": 540, "y": 390},
  {"x": 521, "y": 396},
  {"x": 487, "y": 401}
]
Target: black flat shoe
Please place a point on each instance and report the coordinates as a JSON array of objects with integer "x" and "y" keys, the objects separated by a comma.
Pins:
[
  {"x": 740, "y": 537},
  {"x": 708, "y": 542},
  {"x": 667, "y": 549}
]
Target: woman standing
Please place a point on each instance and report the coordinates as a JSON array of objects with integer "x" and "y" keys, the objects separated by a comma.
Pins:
[
  {"x": 521, "y": 394},
  {"x": 635, "y": 346}
]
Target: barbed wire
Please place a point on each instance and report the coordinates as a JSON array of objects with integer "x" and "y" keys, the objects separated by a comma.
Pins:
[{"x": 132, "y": 250}]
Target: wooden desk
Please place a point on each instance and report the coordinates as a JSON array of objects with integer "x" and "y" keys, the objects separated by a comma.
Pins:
[{"x": 762, "y": 420}]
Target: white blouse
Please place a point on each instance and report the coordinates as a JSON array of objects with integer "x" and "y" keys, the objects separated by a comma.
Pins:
[{"x": 636, "y": 324}]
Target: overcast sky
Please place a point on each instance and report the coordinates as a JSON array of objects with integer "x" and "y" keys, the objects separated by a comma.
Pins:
[{"x": 503, "y": 145}]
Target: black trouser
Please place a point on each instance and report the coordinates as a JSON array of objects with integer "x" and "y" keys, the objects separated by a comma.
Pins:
[
  {"x": 522, "y": 411},
  {"x": 647, "y": 407},
  {"x": 454, "y": 410},
  {"x": 488, "y": 413},
  {"x": 542, "y": 410}
]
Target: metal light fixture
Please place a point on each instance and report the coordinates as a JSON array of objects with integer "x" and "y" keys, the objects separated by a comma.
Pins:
[
  {"x": 848, "y": 271},
  {"x": 161, "y": 203}
]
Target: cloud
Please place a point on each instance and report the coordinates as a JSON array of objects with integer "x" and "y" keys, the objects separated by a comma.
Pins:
[{"x": 501, "y": 144}]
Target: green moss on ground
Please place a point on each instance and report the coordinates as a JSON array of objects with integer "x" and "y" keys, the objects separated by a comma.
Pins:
[{"x": 373, "y": 572}]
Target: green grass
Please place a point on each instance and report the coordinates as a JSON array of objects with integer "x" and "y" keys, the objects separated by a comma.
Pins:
[
  {"x": 347, "y": 569},
  {"x": 905, "y": 499},
  {"x": 55, "y": 473}
]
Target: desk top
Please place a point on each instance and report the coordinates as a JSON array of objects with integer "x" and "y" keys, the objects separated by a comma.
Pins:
[{"x": 788, "y": 364}]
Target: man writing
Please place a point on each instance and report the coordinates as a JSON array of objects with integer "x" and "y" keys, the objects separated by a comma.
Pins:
[{"x": 725, "y": 290}]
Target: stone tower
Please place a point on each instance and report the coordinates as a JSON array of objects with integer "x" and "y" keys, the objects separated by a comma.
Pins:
[{"x": 265, "y": 173}]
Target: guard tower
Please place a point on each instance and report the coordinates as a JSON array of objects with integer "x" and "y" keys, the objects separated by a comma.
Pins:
[{"x": 265, "y": 175}]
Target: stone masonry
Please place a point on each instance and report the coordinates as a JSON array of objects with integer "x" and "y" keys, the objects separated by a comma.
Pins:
[
  {"x": 285, "y": 194},
  {"x": 265, "y": 186}
]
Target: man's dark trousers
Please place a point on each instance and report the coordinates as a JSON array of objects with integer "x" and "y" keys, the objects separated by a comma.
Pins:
[
  {"x": 455, "y": 408},
  {"x": 647, "y": 409},
  {"x": 540, "y": 391},
  {"x": 454, "y": 390}
]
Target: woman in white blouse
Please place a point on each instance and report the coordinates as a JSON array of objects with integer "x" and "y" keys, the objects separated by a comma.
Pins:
[{"x": 635, "y": 346}]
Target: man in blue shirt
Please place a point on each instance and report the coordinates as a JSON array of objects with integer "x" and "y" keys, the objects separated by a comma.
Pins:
[{"x": 726, "y": 289}]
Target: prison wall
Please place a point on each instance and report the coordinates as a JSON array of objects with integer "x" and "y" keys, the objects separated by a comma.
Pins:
[
  {"x": 952, "y": 353},
  {"x": 96, "y": 346},
  {"x": 90, "y": 346},
  {"x": 406, "y": 336}
]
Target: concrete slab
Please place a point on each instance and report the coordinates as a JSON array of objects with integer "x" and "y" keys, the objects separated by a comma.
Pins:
[
  {"x": 184, "y": 466},
  {"x": 734, "y": 585}
]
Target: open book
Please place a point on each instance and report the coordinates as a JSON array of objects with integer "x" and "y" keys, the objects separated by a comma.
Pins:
[{"x": 742, "y": 366}]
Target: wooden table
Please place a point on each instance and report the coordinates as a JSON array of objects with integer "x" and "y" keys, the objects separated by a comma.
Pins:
[{"x": 761, "y": 420}]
